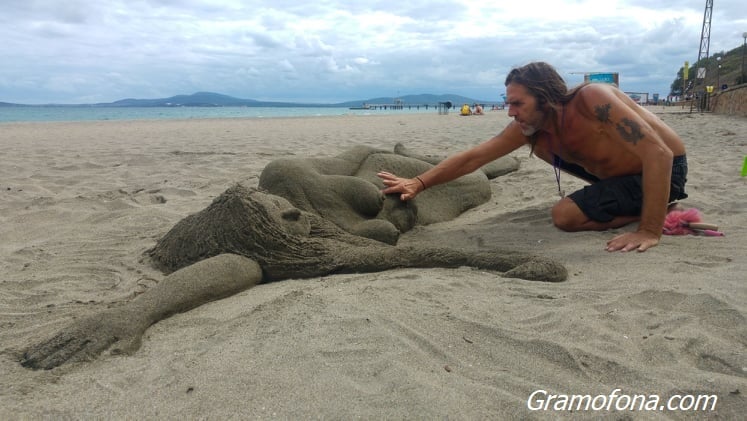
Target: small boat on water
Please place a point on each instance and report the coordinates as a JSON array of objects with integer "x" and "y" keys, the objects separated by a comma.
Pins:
[{"x": 362, "y": 107}]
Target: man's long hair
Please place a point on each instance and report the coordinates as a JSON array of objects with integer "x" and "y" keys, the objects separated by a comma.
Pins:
[
  {"x": 545, "y": 84},
  {"x": 542, "y": 81}
]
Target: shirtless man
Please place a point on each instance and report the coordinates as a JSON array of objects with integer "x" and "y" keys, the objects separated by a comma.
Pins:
[{"x": 634, "y": 162}]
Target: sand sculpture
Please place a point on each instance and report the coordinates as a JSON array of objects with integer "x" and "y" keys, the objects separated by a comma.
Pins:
[
  {"x": 346, "y": 191},
  {"x": 331, "y": 222}
]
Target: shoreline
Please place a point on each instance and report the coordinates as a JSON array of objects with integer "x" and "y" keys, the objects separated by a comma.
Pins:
[
  {"x": 92, "y": 114},
  {"x": 344, "y": 112}
]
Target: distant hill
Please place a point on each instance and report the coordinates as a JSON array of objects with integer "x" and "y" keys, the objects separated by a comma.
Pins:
[
  {"x": 723, "y": 68},
  {"x": 211, "y": 99},
  {"x": 198, "y": 99},
  {"x": 421, "y": 99}
]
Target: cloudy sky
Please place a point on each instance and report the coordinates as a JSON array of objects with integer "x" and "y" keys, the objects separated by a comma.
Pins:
[{"x": 325, "y": 51}]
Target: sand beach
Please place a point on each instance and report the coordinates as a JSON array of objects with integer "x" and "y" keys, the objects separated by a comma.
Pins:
[{"x": 80, "y": 202}]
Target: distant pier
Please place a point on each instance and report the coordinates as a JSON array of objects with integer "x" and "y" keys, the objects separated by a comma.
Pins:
[
  {"x": 441, "y": 107},
  {"x": 393, "y": 107},
  {"x": 397, "y": 105}
]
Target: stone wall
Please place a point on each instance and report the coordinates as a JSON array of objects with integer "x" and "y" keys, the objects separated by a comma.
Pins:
[{"x": 732, "y": 101}]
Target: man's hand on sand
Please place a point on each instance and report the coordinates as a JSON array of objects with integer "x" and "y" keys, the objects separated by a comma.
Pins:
[
  {"x": 408, "y": 187},
  {"x": 639, "y": 240}
]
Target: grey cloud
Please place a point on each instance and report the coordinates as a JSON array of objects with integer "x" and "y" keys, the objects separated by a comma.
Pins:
[
  {"x": 290, "y": 50},
  {"x": 263, "y": 39}
]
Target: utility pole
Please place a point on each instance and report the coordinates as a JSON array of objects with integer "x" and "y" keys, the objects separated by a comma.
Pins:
[{"x": 705, "y": 42}]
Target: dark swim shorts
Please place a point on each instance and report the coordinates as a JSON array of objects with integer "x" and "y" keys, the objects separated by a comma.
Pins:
[{"x": 621, "y": 196}]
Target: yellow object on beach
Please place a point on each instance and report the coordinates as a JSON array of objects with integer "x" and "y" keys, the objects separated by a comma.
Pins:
[
  {"x": 466, "y": 110},
  {"x": 744, "y": 167}
]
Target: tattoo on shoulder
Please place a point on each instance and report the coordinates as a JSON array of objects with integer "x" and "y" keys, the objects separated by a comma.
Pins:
[
  {"x": 603, "y": 112},
  {"x": 630, "y": 131}
]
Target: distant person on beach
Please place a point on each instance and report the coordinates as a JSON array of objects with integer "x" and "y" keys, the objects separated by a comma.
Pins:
[
  {"x": 478, "y": 109},
  {"x": 634, "y": 162}
]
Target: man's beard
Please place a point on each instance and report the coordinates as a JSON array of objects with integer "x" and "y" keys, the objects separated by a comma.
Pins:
[{"x": 530, "y": 130}]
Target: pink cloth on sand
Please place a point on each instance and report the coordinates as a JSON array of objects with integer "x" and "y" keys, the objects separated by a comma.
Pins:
[{"x": 677, "y": 221}]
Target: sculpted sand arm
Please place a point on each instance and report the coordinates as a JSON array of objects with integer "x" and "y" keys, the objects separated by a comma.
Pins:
[{"x": 121, "y": 328}]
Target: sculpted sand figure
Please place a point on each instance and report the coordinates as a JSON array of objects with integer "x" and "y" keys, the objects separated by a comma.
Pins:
[
  {"x": 346, "y": 191},
  {"x": 493, "y": 169},
  {"x": 245, "y": 237}
]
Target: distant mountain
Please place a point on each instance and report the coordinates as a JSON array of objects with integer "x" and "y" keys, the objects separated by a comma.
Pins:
[
  {"x": 204, "y": 99},
  {"x": 421, "y": 99},
  {"x": 211, "y": 99},
  {"x": 199, "y": 99}
]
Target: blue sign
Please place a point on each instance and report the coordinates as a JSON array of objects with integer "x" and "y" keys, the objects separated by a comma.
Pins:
[{"x": 602, "y": 78}]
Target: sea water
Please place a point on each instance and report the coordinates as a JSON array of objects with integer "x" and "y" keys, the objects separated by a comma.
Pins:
[{"x": 82, "y": 113}]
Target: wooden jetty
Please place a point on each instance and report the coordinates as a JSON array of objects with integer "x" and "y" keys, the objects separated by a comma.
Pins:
[{"x": 394, "y": 106}]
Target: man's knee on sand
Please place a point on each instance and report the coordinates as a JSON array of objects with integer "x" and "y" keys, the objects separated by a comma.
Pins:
[{"x": 567, "y": 216}]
